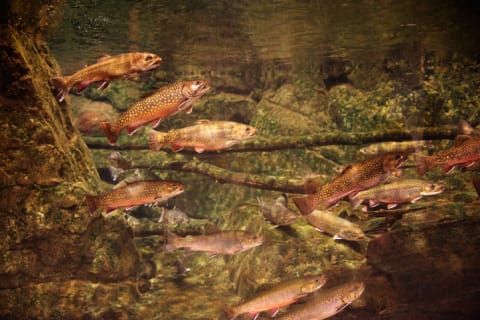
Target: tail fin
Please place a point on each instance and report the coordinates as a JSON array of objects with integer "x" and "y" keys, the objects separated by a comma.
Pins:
[
  {"x": 157, "y": 140},
  {"x": 229, "y": 313},
  {"x": 109, "y": 133},
  {"x": 303, "y": 205},
  {"x": 61, "y": 84},
  {"x": 170, "y": 241},
  {"x": 423, "y": 164},
  {"x": 91, "y": 202}
]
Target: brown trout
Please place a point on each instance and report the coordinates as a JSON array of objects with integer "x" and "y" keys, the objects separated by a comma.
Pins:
[
  {"x": 165, "y": 102},
  {"x": 135, "y": 194},
  {"x": 224, "y": 242},
  {"x": 280, "y": 295},
  {"x": 326, "y": 303},
  {"x": 277, "y": 212},
  {"x": 354, "y": 178},
  {"x": 397, "y": 192},
  {"x": 339, "y": 228},
  {"x": 464, "y": 153},
  {"x": 127, "y": 65},
  {"x": 205, "y": 135}
]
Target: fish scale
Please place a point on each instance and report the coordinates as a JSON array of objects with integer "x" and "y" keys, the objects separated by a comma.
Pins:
[
  {"x": 165, "y": 102},
  {"x": 354, "y": 178}
]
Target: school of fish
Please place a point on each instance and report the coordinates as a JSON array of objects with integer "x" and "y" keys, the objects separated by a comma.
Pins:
[{"x": 373, "y": 181}]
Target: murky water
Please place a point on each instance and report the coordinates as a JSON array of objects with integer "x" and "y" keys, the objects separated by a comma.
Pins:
[{"x": 291, "y": 69}]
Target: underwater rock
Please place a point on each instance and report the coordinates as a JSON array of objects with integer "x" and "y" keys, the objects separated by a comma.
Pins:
[
  {"x": 427, "y": 273},
  {"x": 52, "y": 249}
]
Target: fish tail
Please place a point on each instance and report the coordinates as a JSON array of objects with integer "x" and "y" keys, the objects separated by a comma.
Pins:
[
  {"x": 91, "y": 203},
  {"x": 61, "y": 83},
  {"x": 230, "y": 313},
  {"x": 423, "y": 164},
  {"x": 157, "y": 140},
  {"x": 171, "y": 241},
  {"x": 111, "y": 135},
  {"x": 303, "y": 205}
]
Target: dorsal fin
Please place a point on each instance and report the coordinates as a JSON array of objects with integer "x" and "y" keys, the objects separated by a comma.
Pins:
[
  {"x": 460, "y": 139},
  {"x": 346, "y": 169}
]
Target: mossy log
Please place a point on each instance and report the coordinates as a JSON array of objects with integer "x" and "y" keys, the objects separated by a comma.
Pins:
[{"x": 314, "y": 140}]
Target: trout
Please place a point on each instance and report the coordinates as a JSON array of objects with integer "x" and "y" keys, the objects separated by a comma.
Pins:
[
  {"x": 397, "y": 192},
  {"x": 464, "y": 153},
  {"x": 135, "y": 194},
  {"x": 205, "y": 135},
  {"x": 326, "y": 303},
  {"x": 280, "y": 295},
  {"x": 224, "y": 242},
  {"x": 277, "y": 212},
  {"x": 354, "y": 178},
  {"x": 165, "y": 102},
  {"x": 406, "y": 146},
  {"x": 339, "y": 228},
  {"x": 127, "y": 65}
]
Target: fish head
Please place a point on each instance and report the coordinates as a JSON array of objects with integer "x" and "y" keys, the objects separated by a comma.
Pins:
[
  {"x": 172, "y": 188},
  {"x": 430, "y": 189},
  {"x": 145, "y": 61},
  {"x": 352, "y": 233},
  {"x": 393, "y": 160},
  {"x": 313, "y": 283},
  {"x": 251, "y": 241},
  {"x": 243, "y": 131},
  {"x": 352, "y": 292},
  {"x": 195, "y": 88}
]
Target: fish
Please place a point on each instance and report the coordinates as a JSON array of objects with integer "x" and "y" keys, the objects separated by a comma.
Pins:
[
  {"x": 280, "y": 295},
  {"x": 118, "y": 164},
  {"x": 353, "y": 179},
  {"x": 339, "y": 228},
  {"x": 205, "y": 135},
  {"x": 407, "y": 146},
  {"x": 277, "y": 212},
  {"x": 127, "y": 65},
  {"x": 397, "y": 192},
  {"x": 223, "y": 242},
  {"x": 165, "y": 102},
  {"x": 173, "y": 216},
  {"x": 326, "y": 303},
  {"x": 134, "y": 194},
  {"x": 464, "y": 154}
]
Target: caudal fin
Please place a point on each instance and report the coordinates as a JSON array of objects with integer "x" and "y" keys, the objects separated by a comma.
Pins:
[
  {"x": 303, "y": 205},
  {"x": 111, "y": 135},
  {"x": 157, "y": 140},
  {"x": 423, "y": 164},
  {"x": 61, "y": 83},
  {"x": 91, "y": 202}
]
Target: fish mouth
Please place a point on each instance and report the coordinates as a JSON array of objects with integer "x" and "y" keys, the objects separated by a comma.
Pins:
[{"x": 154, "y": 63}]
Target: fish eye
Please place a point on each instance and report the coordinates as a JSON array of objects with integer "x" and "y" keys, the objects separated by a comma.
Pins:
[
  {"x": 148, "y": 58},
  {"x": 399, "y": 156}
]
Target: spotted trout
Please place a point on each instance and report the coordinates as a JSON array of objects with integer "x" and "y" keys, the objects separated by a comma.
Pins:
[
  {"x": 326, "y": 303},
  {"x": 224, "y": 242},
  {"x": 135, "y": 194},
  {"x": 165, "y": 102},
  {"x": 354, "y": 178},
  {"x": 127, "y": 65},
  {"x": 464, "y": 153},
  {"x": 277, "y": 212},
  {"x": 397, "y": 192},
  {"x": 280, "y": 295},
  {"x": 339, "y": 228},
  {"x": 205, "y": 135}
]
